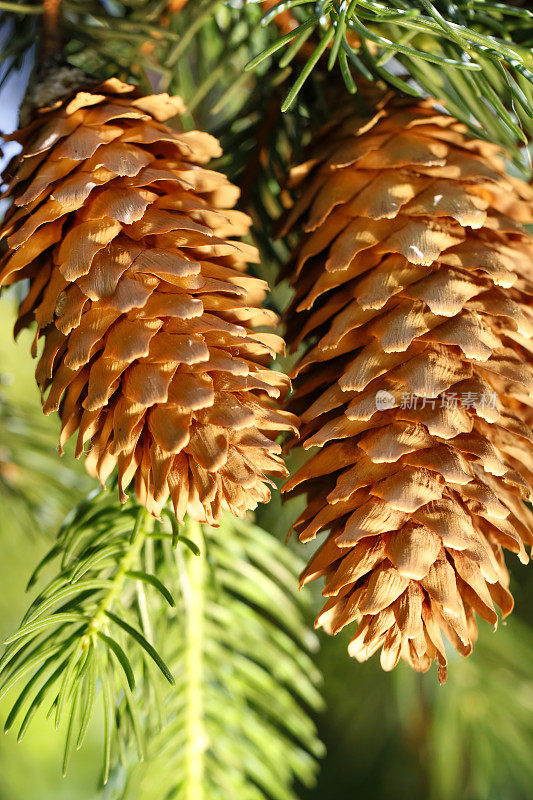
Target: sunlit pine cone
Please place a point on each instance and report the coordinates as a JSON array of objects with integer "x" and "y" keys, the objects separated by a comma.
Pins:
[
  {"x": 137, "y": 286},
  {"x": 413, "y": 284}
]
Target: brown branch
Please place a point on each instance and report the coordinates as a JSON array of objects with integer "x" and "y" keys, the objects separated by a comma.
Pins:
[
  {"x": 260, "y": 151},
  {"x": 51, "y": 46}
]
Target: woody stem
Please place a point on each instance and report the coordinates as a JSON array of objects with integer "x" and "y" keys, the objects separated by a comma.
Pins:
[{"x": 51, "y": 46}]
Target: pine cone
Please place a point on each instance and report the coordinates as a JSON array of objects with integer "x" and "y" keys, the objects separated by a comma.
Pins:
[
  {"x": 136, "y": 285},
  {"x": 413, "y": 297}
]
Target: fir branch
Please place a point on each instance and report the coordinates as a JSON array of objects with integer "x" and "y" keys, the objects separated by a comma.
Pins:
[
  {"x": 238, "y": 715},
  {"x": 85, "y": 629},
  {"x": 232, "y": 633}
]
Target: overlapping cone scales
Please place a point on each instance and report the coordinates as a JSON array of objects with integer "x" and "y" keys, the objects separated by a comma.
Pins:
[
  {"x": 413, "y": 282},
  {"x": 132, "y": 250}
]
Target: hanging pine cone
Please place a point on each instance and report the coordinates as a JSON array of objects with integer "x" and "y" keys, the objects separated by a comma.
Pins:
[
  {"x": 136, "y": 285},
  {"x": 413, "y": 296}
]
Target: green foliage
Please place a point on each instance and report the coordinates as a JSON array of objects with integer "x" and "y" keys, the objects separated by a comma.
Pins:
[
  {"x": 199, "y": 52},
  {"x": 32, "y": 482},
  {"x": 481, "y": 728},
  {"x": 37, "y": 488},
  {"x": 239, "y": 649},
  {"x": 473, "y": 55},
  {"x": 232, "y": 631},
  {"x": 257, "y": 149},
  {"x": 87, "y": 629},
  {"x": 195, "y": 49},
  {"x": 467, "y": 740}
]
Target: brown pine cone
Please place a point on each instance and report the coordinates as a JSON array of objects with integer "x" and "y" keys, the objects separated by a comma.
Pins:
[
  {"x": 137, "y": 286},
  {"x": 413, "y": 286}
]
